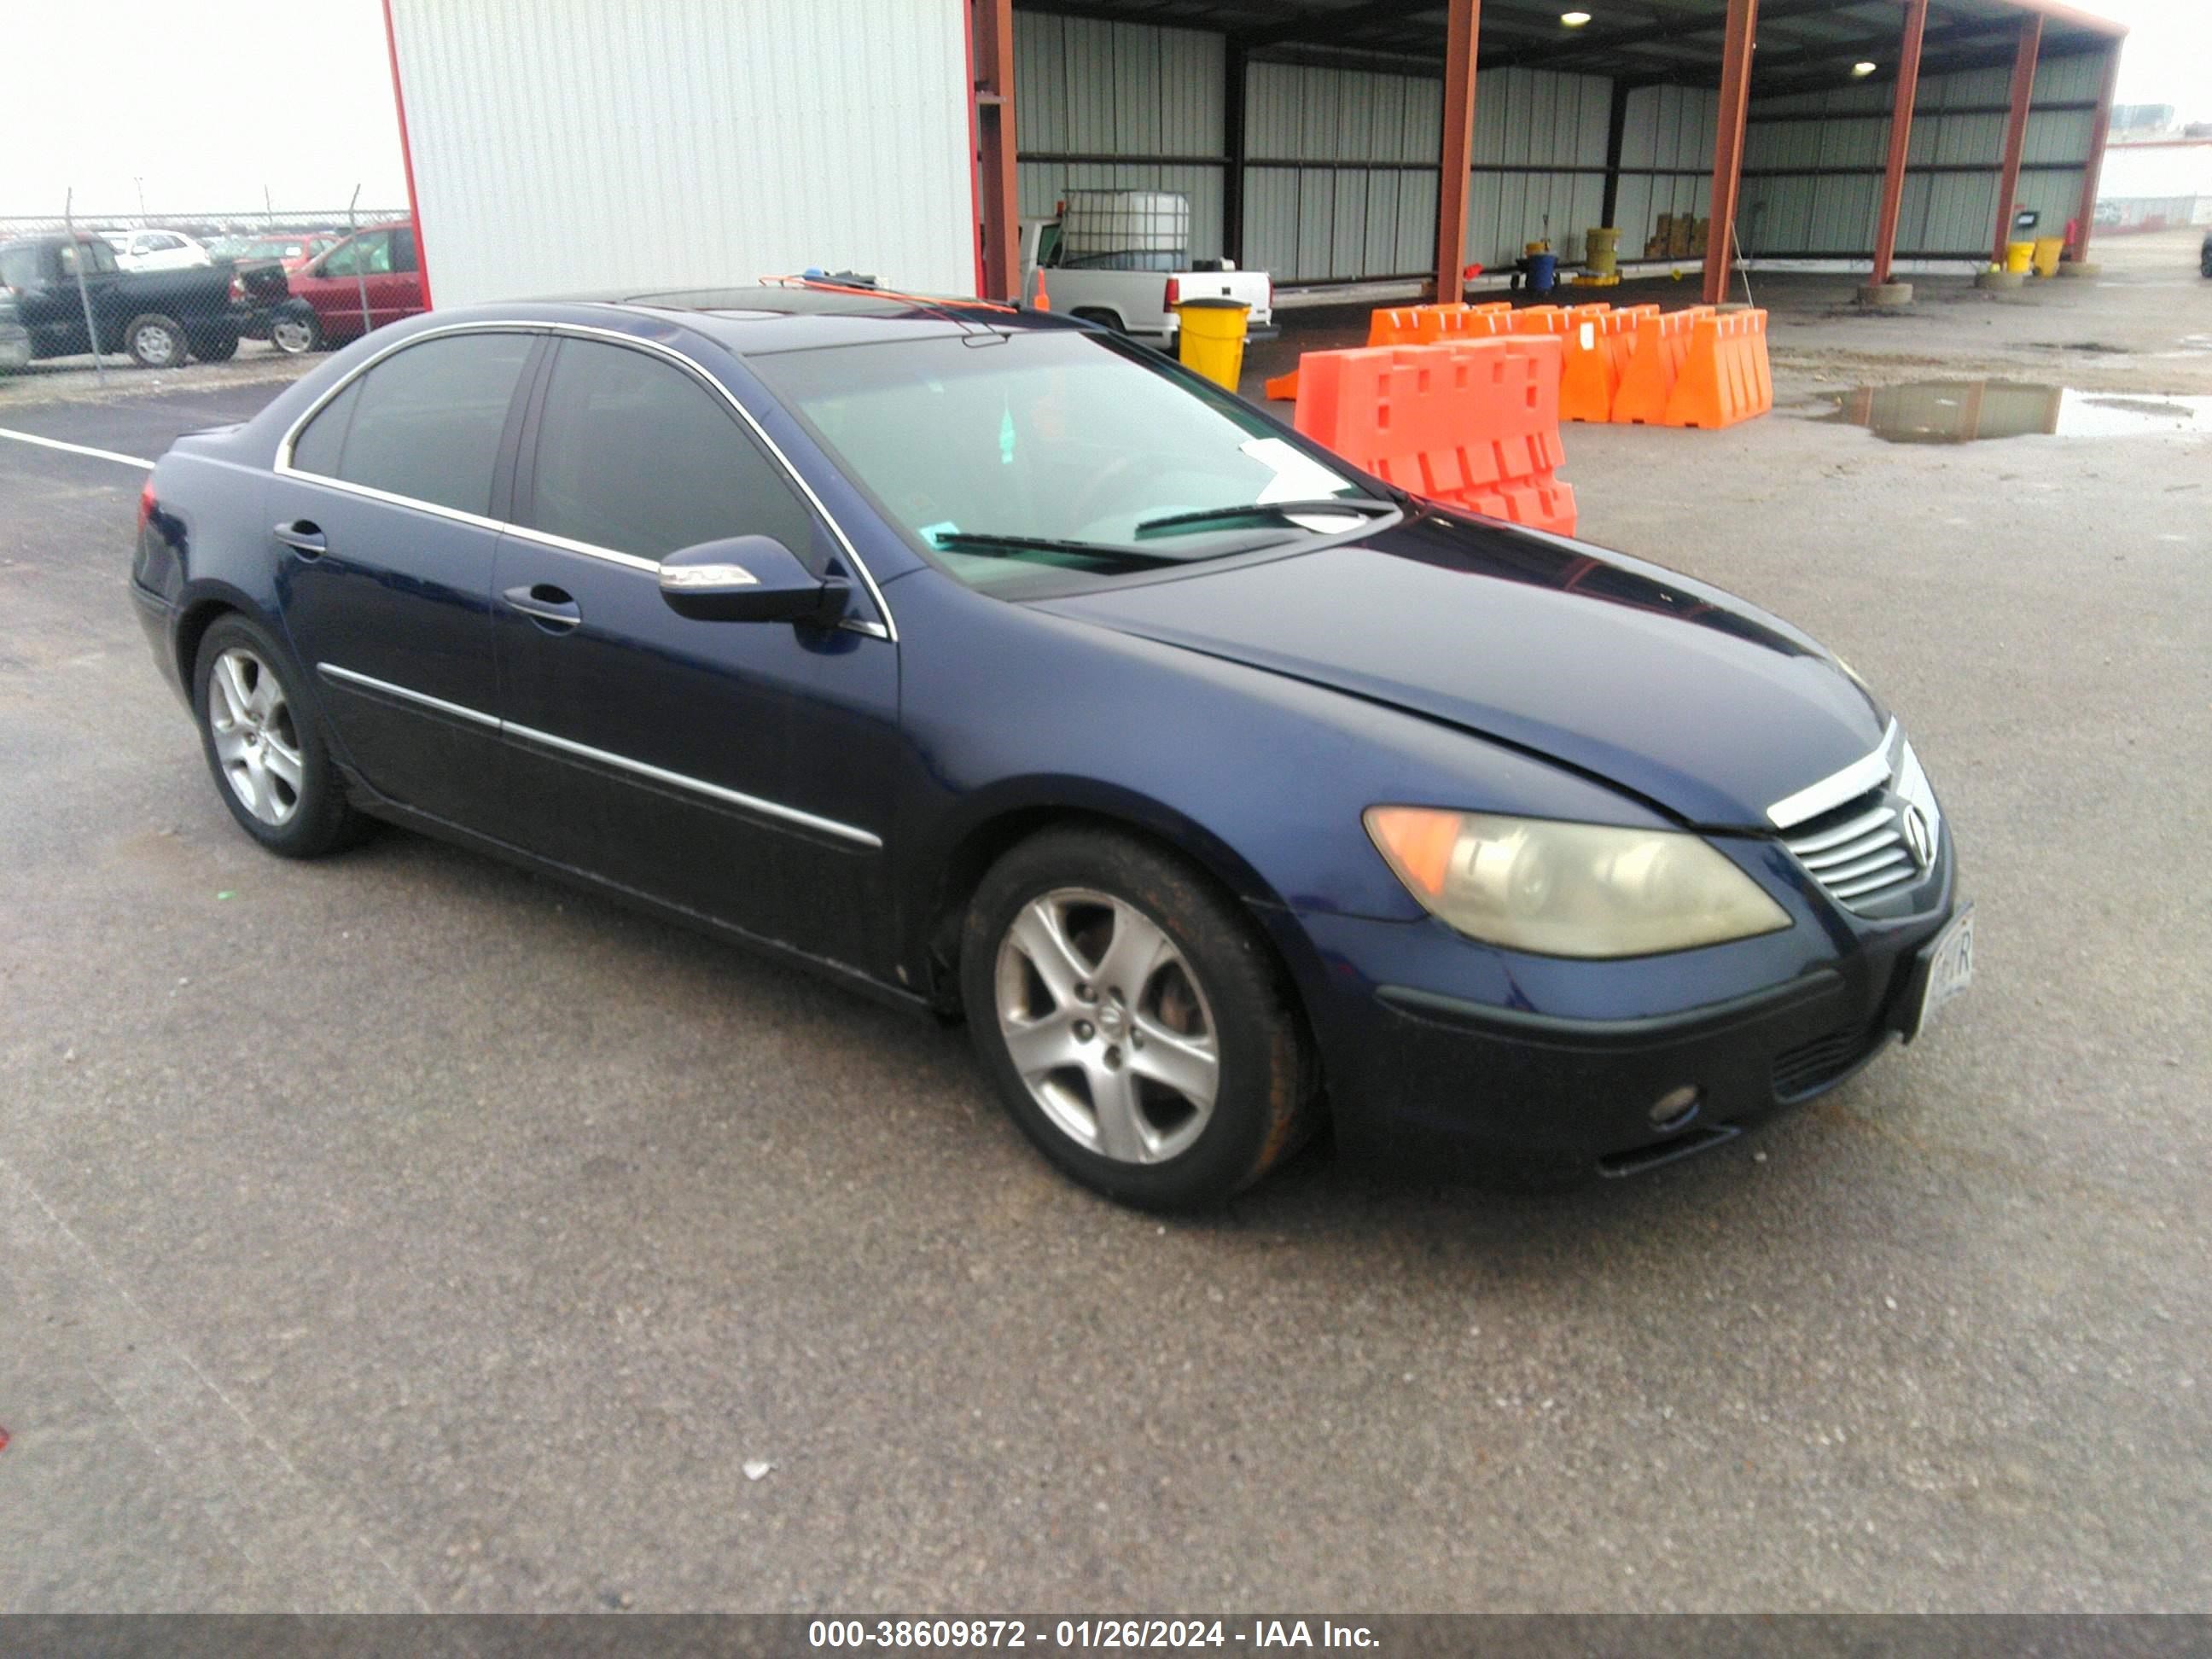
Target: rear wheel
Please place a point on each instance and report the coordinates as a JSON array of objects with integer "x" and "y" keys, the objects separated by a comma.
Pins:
[
  {"x": 1135, "y": 1024},
  {"x": 155, "y": 341},
  {"x": 1103, "y": 318},
  {"x": 270, "y": 764}
]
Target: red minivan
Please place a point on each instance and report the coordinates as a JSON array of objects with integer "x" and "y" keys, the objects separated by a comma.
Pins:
[{"x": 376, "y": 269}]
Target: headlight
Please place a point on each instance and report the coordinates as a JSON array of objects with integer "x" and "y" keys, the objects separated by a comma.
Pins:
[{"x": 1569, "y": 890}]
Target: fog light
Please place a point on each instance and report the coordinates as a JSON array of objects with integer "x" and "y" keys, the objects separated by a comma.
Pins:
[{"x": 1675, "y": 1108}]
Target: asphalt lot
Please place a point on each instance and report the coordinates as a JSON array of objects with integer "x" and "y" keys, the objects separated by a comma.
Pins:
[{"x": 400, "y": 1232}]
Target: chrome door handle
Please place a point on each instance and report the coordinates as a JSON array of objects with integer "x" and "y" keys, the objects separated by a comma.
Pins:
[
  {"x": 303, "y": 537},
  {"x": 549, "y": 606}
]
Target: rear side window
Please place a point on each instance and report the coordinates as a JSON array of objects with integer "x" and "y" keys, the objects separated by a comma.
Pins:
[
  {"x": 424, "y": 424},
  {"x": 635, "y": 455}
]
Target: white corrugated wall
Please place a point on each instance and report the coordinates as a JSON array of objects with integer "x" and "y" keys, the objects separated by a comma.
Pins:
[
  {"x": 1787, "y": 210},
  {"x": 1088, "y": 89},
  {"x": 1666, "y": 160},
  {"x": 563, "y": 146}
]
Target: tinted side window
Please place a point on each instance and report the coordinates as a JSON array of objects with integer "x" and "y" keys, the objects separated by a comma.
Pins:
[
  {"x": 103, "y": 256},
  {"x": 426, "y": 422},
  {"x": 635, "y": 455},
  {"x": 316, "y": 448},
  {"x": 403, "y": 250}
]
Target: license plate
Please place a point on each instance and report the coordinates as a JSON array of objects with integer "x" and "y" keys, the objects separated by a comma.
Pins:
[{"x": 1950, "y": 966}]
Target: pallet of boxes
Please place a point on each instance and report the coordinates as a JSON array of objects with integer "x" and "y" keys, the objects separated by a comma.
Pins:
[{"x": 1678, "y": 236}]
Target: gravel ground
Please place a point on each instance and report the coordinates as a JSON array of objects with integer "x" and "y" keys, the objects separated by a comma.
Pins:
[{"x": 402, "y": 1232}]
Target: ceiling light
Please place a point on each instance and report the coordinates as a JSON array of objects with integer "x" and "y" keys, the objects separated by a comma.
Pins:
[
  {"x": 1863, "y": 68},
  {"x": 1574, "y": 20}
]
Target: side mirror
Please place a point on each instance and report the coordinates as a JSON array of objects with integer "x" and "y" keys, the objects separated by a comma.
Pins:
[{"x": 748, "y": 579}]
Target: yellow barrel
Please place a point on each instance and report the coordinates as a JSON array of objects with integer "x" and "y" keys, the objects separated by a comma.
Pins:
[
  {"x": 1601, "y": 250},
  {"x": 2047, "y": 250},
  {"x": 2019, "y": 256},
  {"x": 1211, "y": 339}
]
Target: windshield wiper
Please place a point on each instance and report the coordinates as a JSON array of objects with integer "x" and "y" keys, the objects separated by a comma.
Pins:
[
  {"x": 1365, "y": 506},
  {"x": 985, "y": 541}
]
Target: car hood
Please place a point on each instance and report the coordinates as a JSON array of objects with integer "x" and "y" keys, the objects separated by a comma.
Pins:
[{"x": 1675, "y": 691}]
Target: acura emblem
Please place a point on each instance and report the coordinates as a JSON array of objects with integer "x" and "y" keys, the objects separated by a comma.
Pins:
[{"x": 1916, "y": 837}]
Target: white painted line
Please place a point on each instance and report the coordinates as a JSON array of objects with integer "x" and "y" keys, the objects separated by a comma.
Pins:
[{"x": 75, "y": 449}]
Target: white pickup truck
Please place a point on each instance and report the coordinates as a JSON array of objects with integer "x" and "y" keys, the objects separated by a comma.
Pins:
[{"x": 1135, "y": 291}]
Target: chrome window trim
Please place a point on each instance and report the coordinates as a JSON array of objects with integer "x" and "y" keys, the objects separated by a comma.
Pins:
[
  {"x": 888, "y": 628},
  {"x": 1869, "y": 771},
  {"x": 659, "y": 775}
]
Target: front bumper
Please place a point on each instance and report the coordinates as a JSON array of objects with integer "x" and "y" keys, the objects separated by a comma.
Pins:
[{"x": 1445, "y": 1079}]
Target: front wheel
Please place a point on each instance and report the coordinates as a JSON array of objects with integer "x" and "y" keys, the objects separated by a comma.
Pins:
[
  {"x": 270, "y": 764},
  {"x": 1138, "y": 1029},
  {"x": 295, "y": 330}
]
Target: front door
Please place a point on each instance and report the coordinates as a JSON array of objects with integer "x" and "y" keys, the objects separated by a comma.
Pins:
[
  {"x": 739, "y": 769},
  {"x": 384, "y": 524}
]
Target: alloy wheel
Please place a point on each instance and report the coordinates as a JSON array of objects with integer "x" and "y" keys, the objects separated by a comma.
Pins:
[
  {"x": 1106, "y": 1025},
  {"x": 290, "y": 336},
  {"x": 154, "y": 346},
  {"x": 254, "y": 735}
]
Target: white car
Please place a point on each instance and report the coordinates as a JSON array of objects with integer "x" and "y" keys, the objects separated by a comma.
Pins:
[{"x": 154, "y": 250}]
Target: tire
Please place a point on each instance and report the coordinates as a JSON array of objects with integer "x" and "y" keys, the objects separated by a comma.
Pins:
[
  {"x": 1211, "y": 987},
  {"x": 216, "y": 345},
  {"x": 295, "y": 329},
  {"x": 155, "y": 341},
  {"x": 270, "y": 763},
  {"x": 1106, "y": 320}
]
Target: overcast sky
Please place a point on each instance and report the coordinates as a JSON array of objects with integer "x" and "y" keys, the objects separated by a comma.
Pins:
[{"x": 295, "y": 97}]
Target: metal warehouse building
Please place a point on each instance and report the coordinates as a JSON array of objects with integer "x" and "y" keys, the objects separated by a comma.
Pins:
[{"x": 565, "y": 145}]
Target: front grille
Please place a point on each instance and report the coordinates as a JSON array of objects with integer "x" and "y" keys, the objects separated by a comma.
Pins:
[
  {"x": 1798, "y": 1071},
  {"x": 1857, "y": 852}
]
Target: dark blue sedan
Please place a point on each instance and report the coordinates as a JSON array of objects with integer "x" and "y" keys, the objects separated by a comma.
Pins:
[{"x": 1000, "y": 668}]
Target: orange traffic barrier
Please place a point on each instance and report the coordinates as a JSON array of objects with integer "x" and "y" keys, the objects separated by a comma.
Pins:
[
  {"x": 1425, "y": 325},
  {"x": 1473, "y": 423},
  {"x": 1284, "y": 388},
  {"x": 1655, "y": 363},
  {"x": 1725, "y": 377},
  {"x": 1598, "y": 342}
]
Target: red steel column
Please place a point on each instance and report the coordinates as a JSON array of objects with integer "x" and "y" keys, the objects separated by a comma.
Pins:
[
  {"x": 1901, "y": 138},
  {"x": 2098, "y": 135},
  {"x": 2023, "y": 90},
  {"x": 1727, "y": 146},
  {"x": 1456, "y": 151},
  {"x": 997, "y": 212}
]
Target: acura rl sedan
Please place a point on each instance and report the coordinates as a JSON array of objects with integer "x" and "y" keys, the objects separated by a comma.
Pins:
[{"x": 1000, "y": 668}]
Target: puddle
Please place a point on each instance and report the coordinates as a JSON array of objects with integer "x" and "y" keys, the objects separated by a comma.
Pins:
[{"x": 1966, "y": 411}]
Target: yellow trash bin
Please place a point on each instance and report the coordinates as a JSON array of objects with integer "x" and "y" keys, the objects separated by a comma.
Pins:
[
  {"x": 2018, "y": 257},
  {"x": 2047, "y": 250},
  {"x": 1211, "y": 339}
]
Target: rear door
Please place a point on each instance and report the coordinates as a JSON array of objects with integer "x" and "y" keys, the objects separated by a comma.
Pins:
[
  {"x": 739, "y": 769},
  {"x": 384, "y": 520}
]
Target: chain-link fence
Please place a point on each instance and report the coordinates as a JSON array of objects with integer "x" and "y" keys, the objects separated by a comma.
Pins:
[{"x": 81, "y": 286}]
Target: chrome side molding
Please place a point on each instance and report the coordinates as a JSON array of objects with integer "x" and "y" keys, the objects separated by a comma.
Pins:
[{"x": 754, "y": 804}]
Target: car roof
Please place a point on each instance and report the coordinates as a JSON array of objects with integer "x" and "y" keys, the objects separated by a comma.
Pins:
[{"x": 799, "y": 315}]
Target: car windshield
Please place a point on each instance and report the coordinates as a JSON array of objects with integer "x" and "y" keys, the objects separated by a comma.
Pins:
[{"x": 1016, "y": 460}]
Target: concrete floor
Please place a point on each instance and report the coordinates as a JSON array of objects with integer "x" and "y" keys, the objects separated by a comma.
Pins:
[{"x": 399, "y": 1231}]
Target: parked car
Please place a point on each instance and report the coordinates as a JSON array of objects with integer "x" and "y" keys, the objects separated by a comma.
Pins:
[
  {"x": 159, "y": 316},
  {"x": 155, "y": 250},
  {"x": 376, "y": 269},
  {"x": 293, "y": 250},
  {"x": 1136, "y": 292},
  {"x": 1223, "y": 789}
]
